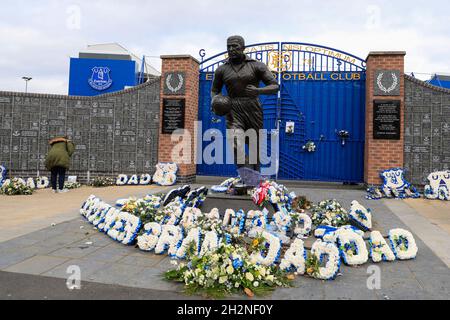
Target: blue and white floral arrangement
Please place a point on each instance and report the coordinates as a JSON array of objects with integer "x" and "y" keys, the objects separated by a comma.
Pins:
[
  {"x": 166, "y": 174},
  {"x": 360, "y": 216},
  {"x": 3, "y": 172},
  {"x": 438, "y": 186},
  {"x": 394, "y": 186}
]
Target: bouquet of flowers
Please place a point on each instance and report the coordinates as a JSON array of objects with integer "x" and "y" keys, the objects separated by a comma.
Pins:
[
  {"x": 273, "y": 193},
  {"x": 15, "y": 187},
  {"x": 72, "y": 185},
  {"x": 101, "y": 182},
  {"x": 329, "y": 213},
  {"x": 310, "y": 147},
  {"x": 226, "y": 271},
  {"x": 300, "y": 204}
]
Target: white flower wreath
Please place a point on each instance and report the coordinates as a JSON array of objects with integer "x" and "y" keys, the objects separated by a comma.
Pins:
[
  {"x": 379, "y": 249},
  {"x": 145, "y": 179},
  {"x": 352, "y": 248},
  {"x": 403, "y": 244},
  {"x": 361, "y": 216},
  {"x": 194, "y": 236},
  {"x": 321, "y": 249},
  {"x": 274, "y": 251},
  {"x": 42, "y": 183},
  {"x": 166, "y": 174},
  {"x": 210, "y": 243},
  {"x": 282, "y": 221},
  {"x": 149, "y": 240},
  {"x": 170, "y": 240},
  {"x": 122, "y": 180},
  {"x": 31, "y": 184},
  {"x": 304, "y": 230},
  {"x": 295, "y": 258},
  {"x": 133, "y": 181}
]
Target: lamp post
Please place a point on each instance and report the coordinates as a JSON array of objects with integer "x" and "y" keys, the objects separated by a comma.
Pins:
[{"x": 26, "y": 82}]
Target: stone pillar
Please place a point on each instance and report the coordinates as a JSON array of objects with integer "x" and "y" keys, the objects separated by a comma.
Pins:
[
  {"x": 383, "y": 154},
  {"x": 187, "y": 68}
]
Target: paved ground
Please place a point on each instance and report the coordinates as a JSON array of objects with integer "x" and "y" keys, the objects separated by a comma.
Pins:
[
  {"x": 35, "y": 265},
  {"x": 20, "y": 215}
]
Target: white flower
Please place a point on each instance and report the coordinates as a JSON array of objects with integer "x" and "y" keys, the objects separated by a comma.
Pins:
[
  {"x": 230, "y": 270},
  {"x": 249, "y": 277},
  {"x": 256, "y": 284},
  {"x": 270, "y": 278},
  {"x": 223, "y": 279}
]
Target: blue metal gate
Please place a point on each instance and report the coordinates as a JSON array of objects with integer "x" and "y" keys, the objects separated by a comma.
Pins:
[{"x": 322, "y": 98}]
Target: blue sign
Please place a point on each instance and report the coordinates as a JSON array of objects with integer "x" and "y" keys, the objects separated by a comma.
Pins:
[
  {"x": 93, "y": 77},
  {"x": 100, "y": 79}
]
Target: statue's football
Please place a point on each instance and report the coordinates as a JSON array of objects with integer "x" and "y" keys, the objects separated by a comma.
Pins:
[{"x": 221, "y": 105}]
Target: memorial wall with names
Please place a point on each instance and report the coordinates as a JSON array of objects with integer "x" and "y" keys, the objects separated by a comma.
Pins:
[
  {"x": 114, "y": 133},
  {"x": 427, "y": 129}
]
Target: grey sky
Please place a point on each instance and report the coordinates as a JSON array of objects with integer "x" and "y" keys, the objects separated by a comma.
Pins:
[{"x": 37, "y": 38}]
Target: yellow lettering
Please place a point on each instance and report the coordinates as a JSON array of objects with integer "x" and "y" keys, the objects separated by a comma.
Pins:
[
  {"x": 334, "y": 76},
  {"x": 301, "y": 76},
  {"x": 356, "y": 76},
  {"x": 286, "y": 76},
  {"x": 209, "y": 76}
]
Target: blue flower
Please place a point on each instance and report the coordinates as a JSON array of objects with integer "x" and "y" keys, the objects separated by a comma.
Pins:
[{"x": 237, "y": 263}]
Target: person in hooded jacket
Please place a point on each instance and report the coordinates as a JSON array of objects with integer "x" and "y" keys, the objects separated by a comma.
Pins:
[{"x": 58, "y": 161}]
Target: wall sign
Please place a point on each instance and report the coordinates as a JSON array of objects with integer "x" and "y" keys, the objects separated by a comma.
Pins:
[
  {"x": 173, "y": 115},
  {"x": 100, "y": 79},
  {"x": 175, "y": 83},
  {"x": 387, "y": 83},
  {"x": 386, "y": 119}
]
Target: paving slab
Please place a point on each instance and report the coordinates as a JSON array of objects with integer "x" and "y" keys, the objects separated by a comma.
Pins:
[
  {"x": 73, "y": 252},
  {"x": 21, "y": 215},
  {"x": 118, "y": 274},
  {"x": 36, "y": 265},
  {"x": 87, "y": 267},
  {"x": 29, "y": 287}
]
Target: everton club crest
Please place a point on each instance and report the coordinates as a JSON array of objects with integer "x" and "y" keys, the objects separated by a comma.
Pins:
[{"x": 100, "y": 79}]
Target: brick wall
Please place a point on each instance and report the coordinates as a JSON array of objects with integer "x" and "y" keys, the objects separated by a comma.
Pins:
[
  {"x": 113, "y": 133},
  {"x": 185, "y": 161},
  {"x": 382, "y": 154}
]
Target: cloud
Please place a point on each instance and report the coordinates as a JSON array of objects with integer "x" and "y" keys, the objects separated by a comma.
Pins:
[{"x": 38, "y": 38}]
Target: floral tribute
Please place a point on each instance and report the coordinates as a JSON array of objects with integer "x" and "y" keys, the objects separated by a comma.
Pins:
[
  {"x": 15, "y": 187},
  {"x": 42, "y": 183},
  {"x": 72, "y": 185},
  {"x": 329, "y": 213},
  {"x": 394, "y": 186},
  {"x": 102, "y": 182},
  {"x": 134, "y": 180},
  {"x": 166, "y": 174},
  {"x": 220, "y": 253},
  {"x": 310, "y": 147},
  {"x": 361, "y": 216},
  {"x": 438, "y": 186},
  {"x": 270, "y": 192},
  {"x": 3, "y": 172}
]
